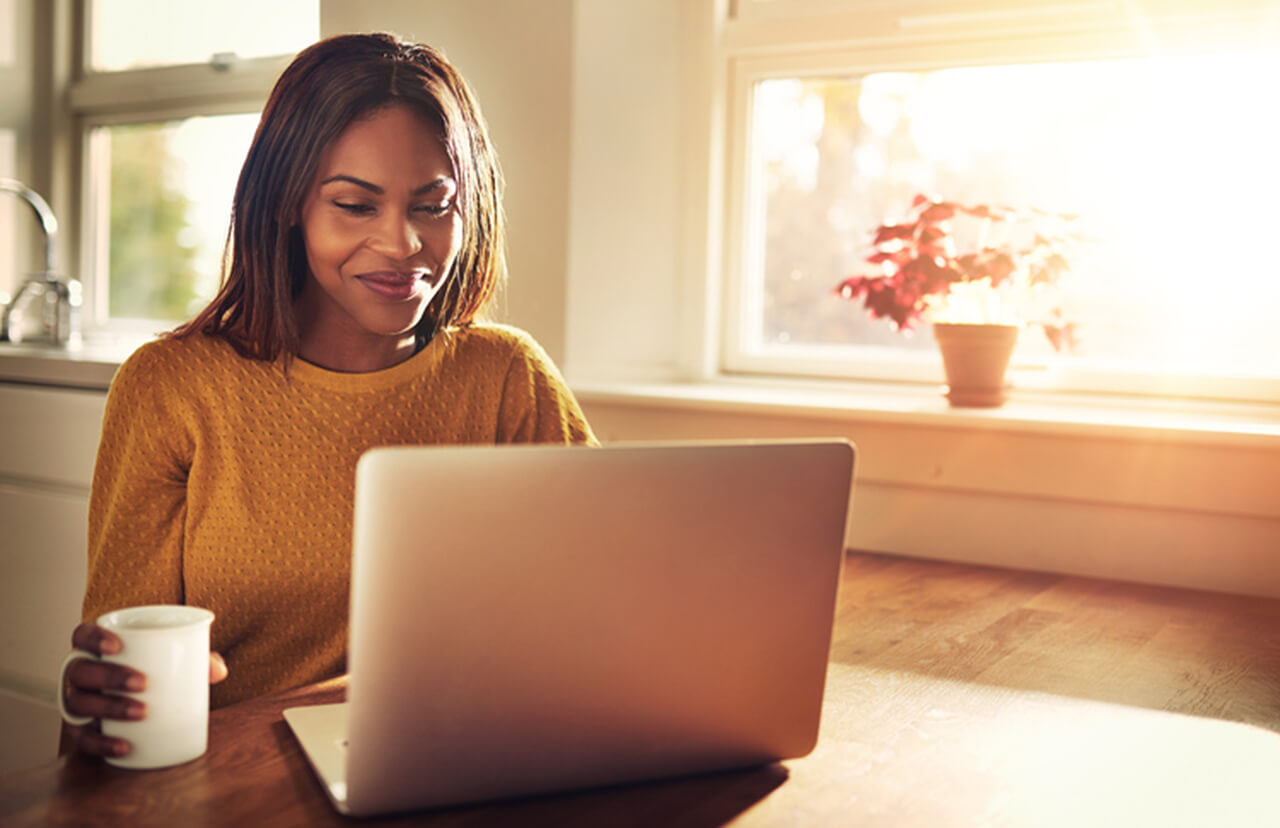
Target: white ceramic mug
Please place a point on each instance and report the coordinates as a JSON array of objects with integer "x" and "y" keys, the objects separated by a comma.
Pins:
[{"x": 170, "y": 644}]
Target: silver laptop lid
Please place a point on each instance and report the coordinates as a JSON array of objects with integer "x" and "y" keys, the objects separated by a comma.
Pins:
[{"x": 530, "y": 619}]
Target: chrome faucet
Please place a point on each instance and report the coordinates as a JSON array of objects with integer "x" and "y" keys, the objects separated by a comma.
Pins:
[{"x": 46, "y": 307}]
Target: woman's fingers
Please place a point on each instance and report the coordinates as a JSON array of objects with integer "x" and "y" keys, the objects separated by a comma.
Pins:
[
  {"x": 87, "y": 680},
  {"x": 85, "y": 674},
  {"x": 94, "y": 639},
  {"x": 217, "y": 668},
  {"x": 88, "y": 740},
  {"x": 105, "y": 706}
]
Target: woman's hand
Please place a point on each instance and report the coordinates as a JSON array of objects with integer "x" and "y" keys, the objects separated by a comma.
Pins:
[{"x": 86, "y": 694}]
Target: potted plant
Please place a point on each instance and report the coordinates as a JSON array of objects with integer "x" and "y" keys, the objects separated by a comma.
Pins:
[{"x": 978, "y": 300}]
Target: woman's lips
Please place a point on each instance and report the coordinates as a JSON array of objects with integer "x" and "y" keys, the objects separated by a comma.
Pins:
[{"x": 394, "y": 285}]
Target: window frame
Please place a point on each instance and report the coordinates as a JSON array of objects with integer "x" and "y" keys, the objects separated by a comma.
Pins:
[
  {"x": 96, "y": 99},
  {"x": 762, "y": 39}
]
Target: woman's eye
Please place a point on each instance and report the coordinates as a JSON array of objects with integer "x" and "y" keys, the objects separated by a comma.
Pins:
[
  {"x": 435, "y": 209},
  {"x": 355, "y": 208}
]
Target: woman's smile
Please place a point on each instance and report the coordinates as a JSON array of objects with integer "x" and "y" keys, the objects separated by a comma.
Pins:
[{"x": 396, "y": 285}]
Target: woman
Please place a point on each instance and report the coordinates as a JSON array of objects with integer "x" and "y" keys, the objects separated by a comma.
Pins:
[{"x": 366, "y": 240}]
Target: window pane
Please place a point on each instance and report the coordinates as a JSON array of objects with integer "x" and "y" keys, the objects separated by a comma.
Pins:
[
  {"x": 177, "y": 33},
  {"x": 169, "y": 193},
  {"x": 1171, "y": 162}
]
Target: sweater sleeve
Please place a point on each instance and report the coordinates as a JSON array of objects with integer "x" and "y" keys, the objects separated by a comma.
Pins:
[
  {"x": 537, "y": 405},
  {"x": 137, "y": 504}
]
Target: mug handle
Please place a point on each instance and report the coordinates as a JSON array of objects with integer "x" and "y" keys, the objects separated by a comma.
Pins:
[{"x": 67, "y": 716}]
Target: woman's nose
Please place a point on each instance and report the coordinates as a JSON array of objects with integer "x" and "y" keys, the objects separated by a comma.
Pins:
[{"x": 396, "y": 237}]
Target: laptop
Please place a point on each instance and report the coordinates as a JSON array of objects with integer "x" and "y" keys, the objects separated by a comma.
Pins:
[{"x": 532, "y": 619}]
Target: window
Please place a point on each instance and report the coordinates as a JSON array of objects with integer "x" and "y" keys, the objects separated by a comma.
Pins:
[
  {"x": 1147, "y": 126},
  {"x": 164, "y": 116}
]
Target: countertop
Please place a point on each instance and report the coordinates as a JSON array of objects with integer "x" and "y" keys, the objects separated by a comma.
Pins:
[{"x": 85, "y": 365}]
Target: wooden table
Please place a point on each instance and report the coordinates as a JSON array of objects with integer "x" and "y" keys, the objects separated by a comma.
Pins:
[{"x": 956, "y": 695}]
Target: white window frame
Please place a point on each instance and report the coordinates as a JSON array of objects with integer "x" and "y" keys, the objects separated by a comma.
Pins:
[
  {"x": 762, "y": 39},
  {"x": 96, "y": 99}
]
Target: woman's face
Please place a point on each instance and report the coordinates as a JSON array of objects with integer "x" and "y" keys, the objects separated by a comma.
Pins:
[{"x": 381, "y": 229}]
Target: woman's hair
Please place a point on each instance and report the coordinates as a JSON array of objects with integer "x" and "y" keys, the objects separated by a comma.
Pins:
[{"x": 328, "y": 86}]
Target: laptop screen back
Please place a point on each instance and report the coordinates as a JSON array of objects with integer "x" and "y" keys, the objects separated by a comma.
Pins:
[{"x": 527, "y": 619}]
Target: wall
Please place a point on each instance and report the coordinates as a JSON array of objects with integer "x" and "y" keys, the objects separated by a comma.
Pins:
[
  {"x": 628, "y": 220},
  {"x": 516, "y": 55}
]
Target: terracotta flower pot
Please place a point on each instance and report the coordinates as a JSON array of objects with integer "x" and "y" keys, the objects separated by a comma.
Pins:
[{"x": 975, "y": 359}]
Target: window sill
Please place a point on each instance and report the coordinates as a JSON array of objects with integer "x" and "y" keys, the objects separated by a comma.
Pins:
[{"x": 1137, "y": 418}]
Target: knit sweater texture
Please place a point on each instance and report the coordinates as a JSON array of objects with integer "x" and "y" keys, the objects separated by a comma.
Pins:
[{"x": 227, "y": 483}]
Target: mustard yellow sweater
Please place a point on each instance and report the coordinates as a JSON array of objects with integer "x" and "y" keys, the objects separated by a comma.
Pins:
[{"x": 225, "y": 483}]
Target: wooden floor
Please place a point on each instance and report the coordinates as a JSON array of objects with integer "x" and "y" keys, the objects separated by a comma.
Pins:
[{"x": 1197, "y": 653}]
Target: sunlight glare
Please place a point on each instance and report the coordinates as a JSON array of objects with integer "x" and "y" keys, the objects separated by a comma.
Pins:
[
  {"x": 789, "y": 142},
  {"x": 1170, "y": 162}
]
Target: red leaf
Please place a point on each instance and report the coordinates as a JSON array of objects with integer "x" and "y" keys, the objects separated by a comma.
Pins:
[
  {"x": 852, "y": 287},
  {"x": 930, "y": 234},
  {"x": 889, "y": 232},
  {"x": 939, "y": 274},
  {"x": 1063, "y": 337},
  {"x": 1000, "y": 267},
  {"x": 932, "y": 251},
  {"x": 918, "y": 261},
  {"x": 970, "y": 266},
  {"x": 939, "y": 211}
]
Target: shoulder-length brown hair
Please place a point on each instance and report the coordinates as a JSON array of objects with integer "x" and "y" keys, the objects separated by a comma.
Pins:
[{"x": 328, "y": 86}]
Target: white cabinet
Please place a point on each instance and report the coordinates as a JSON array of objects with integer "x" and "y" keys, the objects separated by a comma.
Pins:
[{"x": 48, "y": 440}]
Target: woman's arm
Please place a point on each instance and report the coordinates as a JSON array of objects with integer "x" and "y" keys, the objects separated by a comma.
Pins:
[
  {"x": 137, "y": 505},
  {"x": 537, "y": 405},
  {"x": 137, "y": 508}
]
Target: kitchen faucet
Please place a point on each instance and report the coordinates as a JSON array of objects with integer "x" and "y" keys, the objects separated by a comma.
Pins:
[{"x": 52, "y": 301}]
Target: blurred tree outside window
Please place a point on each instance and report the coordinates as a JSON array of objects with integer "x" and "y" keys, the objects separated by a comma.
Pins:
[
  {"x": 147, "y": 223},
  {"x": 170, "y": 189}
]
